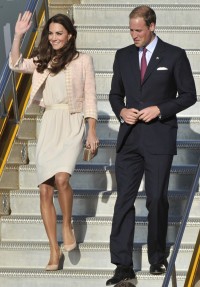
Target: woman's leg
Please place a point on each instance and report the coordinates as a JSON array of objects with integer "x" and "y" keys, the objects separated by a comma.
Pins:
[
  {"x": 49, "y": 219},
  {"x": 65, "y": 197}
]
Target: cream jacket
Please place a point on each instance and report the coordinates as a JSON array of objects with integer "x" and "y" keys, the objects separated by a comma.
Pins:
[{"x": 80, "y": 83}]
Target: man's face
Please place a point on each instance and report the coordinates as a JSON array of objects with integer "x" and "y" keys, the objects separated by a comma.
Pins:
[{"x": 141, "y": 34}]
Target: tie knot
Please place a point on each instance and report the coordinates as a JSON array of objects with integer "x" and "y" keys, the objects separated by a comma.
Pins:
[{"x": 144, "y": 50}]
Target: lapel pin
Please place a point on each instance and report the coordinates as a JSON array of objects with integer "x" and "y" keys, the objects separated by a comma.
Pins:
[{"x": 157, "y": 58}]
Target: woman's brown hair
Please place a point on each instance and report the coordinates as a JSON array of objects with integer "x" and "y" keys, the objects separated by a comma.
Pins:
[{"x": 45, "y": 54}]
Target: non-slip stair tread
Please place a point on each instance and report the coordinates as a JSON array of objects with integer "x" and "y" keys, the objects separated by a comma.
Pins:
[
  {"x": 128, "y": 6},
  {"x": 35, "y": 272},
  {"x": 166, "y": 28},
  {"x": 97, "y": 193},
  {"x": 77, "y": 219},
  {"x": 24, "y": 245},
  {"x": 45, "y": 246},
  {"x": 110, "y": 73},
  {"x": 185, "y": 143},
  {"x": 135, "y": 2},
  {"x": 82, "y": 246},
  {"x": 95, "y": 167},
  {"x": 112, "y": 118},
  {"x": 103, "y": 51},
  {"x": 105, "y": 97},
  {"x": 84, "y": 273},
  {"x": 189, "y": 143}
]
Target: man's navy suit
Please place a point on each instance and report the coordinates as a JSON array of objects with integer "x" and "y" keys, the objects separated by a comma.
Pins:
[{"x": 147, "y": 148}]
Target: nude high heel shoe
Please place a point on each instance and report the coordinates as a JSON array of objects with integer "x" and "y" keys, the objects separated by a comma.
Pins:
[
  {"x": 59, "y": 266},
  {"x": 69, "y": 247}
]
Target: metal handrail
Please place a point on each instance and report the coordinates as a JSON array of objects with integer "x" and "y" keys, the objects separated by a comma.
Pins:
[
  {"x": 46, "y": 8},
  {"x": 5, "y": 75},
  {"x": 6, "y": 72},
  {"x": 9, "y": 122},
  {"x": 15, "y": 101},
  {"x": 171, "y": 271}
]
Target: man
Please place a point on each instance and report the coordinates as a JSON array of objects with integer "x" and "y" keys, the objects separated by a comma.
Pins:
[{"x": 146, "y": 104}]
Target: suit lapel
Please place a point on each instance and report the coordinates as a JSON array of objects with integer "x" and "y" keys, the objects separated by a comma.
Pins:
[
  {"x": 133, "y": 64},
  {"x": 155, "y": 59}
]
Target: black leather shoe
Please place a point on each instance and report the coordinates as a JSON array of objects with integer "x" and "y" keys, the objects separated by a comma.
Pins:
[
  {"x": 157, "y": 269},
  {"x": 121, "y": 273}
]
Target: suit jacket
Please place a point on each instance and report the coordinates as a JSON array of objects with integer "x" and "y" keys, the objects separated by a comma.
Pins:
[
  {"x": 80, "y": 83},
  {"x": 168, "y": 84}
]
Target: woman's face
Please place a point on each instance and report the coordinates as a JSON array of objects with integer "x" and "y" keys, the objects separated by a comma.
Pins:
[{"x": 58, "y": 36}]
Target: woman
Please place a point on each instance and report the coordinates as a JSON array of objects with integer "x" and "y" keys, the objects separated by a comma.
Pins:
[{"x": 63, "y": 82}]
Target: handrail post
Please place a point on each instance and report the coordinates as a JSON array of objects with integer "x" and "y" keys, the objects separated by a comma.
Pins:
[
  {"x": 35, "y": 22},
  {"x": 3, "y": 107},
  {"x": 46, "y": 7},
  {"x": 15, "y": 101},
  {"x": 174, "y": 281}
]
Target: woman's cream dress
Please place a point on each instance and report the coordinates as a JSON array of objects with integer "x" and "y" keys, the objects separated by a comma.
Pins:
[{"x": 61, "y": 133}]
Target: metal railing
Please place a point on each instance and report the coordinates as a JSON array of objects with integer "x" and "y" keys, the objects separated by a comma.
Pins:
[
  {"x": 7, "y": 74},
  {"x": 13, "y": 96},
  {"x": 171, "y": 269}
]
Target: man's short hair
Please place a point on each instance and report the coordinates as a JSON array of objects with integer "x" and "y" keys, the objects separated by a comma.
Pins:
[{"x": 145, "y": 12}]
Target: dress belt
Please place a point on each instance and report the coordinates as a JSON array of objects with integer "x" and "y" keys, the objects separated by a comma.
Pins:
[{"x": 57, "y": 107}]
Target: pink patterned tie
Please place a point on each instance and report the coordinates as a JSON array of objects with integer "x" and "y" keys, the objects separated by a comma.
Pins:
[{"x": 143, "y": 64}]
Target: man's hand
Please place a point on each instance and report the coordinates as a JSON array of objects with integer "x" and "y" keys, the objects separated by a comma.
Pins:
[
  {"x": 148, "y": 114},
  {"x": 130, "y": 116}
]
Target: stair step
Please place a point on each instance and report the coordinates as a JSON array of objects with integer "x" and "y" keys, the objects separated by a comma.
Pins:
[
  {"x": 98, "y": 203},
  {"x": 102, "y": 177},
  {"x": 103, "y": 82},
  {"x": 108, "y": 126},
  {"x": 105, "y": 14},
  {"x": 135, "y": 3},
  {"x": 27, "y": 128},
  {"x": 10, "y": 177},
  {"x": 24, "y": 277},
  {"x": 188, "y": 152},
  {"x": 66, "y": 8},
  {"x": 103, "y": 106},
  {"x": 19, "y": 153},
  {"x": 88, "y": 229},
  {"x": 34, "y": 110},
  {"x": 104, "y": 58},
  {"x": 118, "y": 37},
  {"x": 86, "y": 254}
]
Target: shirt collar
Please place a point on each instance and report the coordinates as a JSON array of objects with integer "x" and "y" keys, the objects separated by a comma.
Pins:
[{"x": 151, "y": 46}]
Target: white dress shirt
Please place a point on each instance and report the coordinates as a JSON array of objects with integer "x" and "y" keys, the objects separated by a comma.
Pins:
[{"x": 150, "y": 48}]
